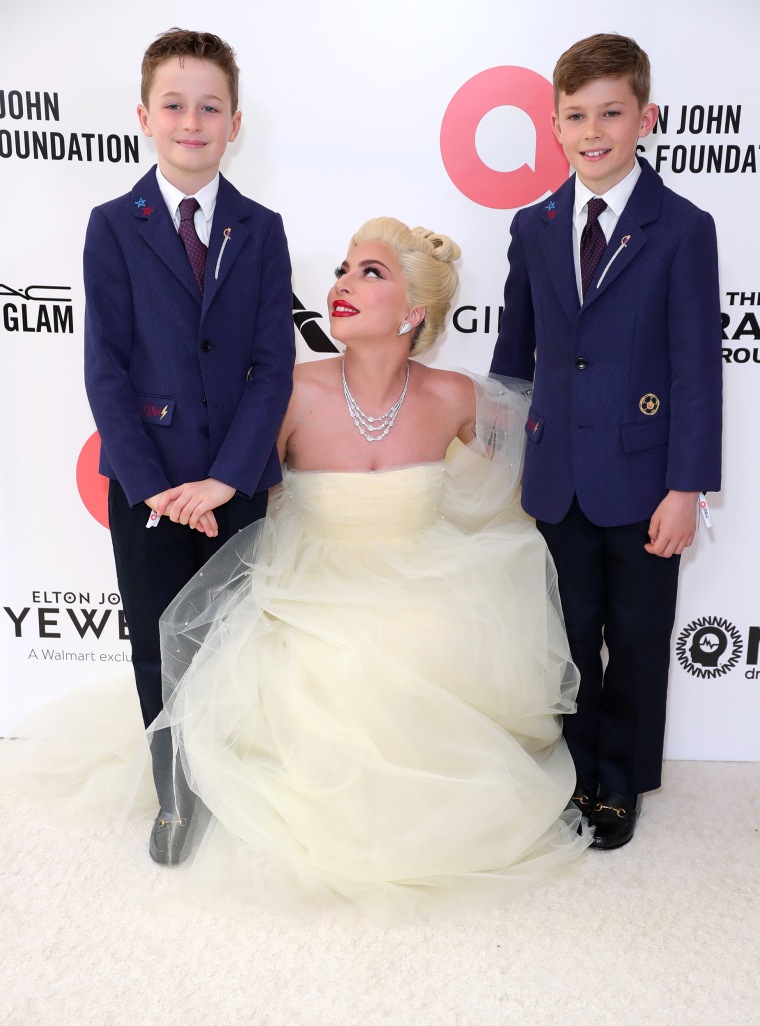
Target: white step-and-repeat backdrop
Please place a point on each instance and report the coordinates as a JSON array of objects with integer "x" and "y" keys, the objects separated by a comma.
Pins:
[{"x": 434, "y": 111}]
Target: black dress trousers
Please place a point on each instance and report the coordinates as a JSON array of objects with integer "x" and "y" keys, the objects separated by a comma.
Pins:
[
  {"x": 614, "y": 592},
  {"x": 152, "y": 567}
]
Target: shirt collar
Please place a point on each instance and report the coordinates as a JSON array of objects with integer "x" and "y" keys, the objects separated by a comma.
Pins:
[
  {"x": 173, "y": 196},
  {"x": 615, "y": 198}
]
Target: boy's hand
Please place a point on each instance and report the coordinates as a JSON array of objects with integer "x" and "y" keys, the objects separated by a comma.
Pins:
[
  {"x": 207, "y": 524},
  {"x": 192, "y": 503},
  {"x": 673, "y": 524},
  {"x": 161, "y": 503}
]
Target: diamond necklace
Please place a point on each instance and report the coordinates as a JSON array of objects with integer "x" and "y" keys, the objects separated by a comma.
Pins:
[{"x": 373, "y": 428}]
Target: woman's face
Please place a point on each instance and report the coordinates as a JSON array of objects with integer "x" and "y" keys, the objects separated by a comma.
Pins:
[{"x": 368, "y": 299}]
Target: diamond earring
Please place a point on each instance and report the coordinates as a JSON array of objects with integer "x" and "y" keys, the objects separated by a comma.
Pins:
[{"x": 405, "y": 327}]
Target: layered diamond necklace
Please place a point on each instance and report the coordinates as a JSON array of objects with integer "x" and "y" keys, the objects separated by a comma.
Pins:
[{"x": 372, "y": 428}]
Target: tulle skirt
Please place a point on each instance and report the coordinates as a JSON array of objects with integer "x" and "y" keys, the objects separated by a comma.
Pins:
[
  {"x": 365, "y": 693},
  {"x": 365, "y": 690}
]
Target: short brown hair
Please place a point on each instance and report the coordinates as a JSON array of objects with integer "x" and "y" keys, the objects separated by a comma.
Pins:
[
  {"x": 605, "y": 55},
  {"x": 182, "y": 43}
]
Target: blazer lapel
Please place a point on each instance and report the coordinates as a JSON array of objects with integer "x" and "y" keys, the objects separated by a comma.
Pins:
[
  {"x": 228, "y": 236},
  {"x": 157, "y": 229},
  {"x": 630, "y": 235},
  {"x": 557, "y": 244}
]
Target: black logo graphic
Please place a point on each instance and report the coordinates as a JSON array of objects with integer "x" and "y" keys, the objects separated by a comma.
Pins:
[
  {"x": 37, "y": 308},
  {"x": 709, "y": 647},
  {"x": 306, "y": 322},
  {"x": 30, "y": 293}
]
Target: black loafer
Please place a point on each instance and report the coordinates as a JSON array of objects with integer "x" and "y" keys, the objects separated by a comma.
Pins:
[
  {"x": 583, "y": 799},
  {"x": 614, "y": 820},
  {"x": 167, "y": 840}
]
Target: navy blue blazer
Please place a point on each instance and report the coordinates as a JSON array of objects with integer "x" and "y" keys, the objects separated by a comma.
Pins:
[
  {"x": 627, "y": 398},
  {"x": 185, "y": 386}
]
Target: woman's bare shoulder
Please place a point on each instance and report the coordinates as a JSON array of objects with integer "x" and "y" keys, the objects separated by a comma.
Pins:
[
  {"x": 309, "y": 379},
  {"x": 316, "y": 385},
  {"x": 451, "y": 386},
  {"x": 316, "y": 371}
]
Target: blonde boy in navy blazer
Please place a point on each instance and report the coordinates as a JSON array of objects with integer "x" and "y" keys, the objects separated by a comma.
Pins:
[
  {"x": 188, "y": 373},
  {"x": 625, "y": 425}
]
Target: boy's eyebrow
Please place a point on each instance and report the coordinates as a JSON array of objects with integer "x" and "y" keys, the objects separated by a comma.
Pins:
[
  {"x": 209, "y": 96},
  {"x": 578, "y": 106}
]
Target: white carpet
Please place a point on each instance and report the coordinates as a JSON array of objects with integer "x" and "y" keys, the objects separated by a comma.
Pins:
[{"x": 664, "y": 931}]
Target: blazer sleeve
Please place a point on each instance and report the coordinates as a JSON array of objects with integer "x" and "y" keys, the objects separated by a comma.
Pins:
[
  {"x": 248, "y": 446},
  {"x": 695, "y": 333},
  {"x": 108, "y": 335},
  {"x": 514, "y": 354}
]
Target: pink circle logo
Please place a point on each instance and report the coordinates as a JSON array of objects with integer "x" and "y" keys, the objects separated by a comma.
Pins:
[
  {"x": 93, "y": 487},
  {"x": 502, "y": 87}
]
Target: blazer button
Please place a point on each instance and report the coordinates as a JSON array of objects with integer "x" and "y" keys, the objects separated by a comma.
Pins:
[
  {"x": 205, "y": 401},
  {"x": 205, "y": 345},
  {"x": 581, "y": 364}
]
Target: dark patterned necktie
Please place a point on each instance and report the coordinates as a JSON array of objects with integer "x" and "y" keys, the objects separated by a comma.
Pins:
[
  {"x": 593, "y": 243},
  {"x": 196, "y": 251}
]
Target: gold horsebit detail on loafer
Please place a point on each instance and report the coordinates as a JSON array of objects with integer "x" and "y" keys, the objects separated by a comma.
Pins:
[
  {"x": 172, "y": 822},
  {"x": 581, "y": 798},
  {"x": 620, "y": 813}
]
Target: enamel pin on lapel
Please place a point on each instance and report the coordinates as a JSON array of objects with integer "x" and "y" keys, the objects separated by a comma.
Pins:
[
  {"x": 227, "y": 234},
  {"x": 623, "y": 243}
]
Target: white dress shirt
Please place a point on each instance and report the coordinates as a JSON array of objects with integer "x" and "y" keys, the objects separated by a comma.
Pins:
[
  {"x": 615, "y": 198},
  {"x": 205, "y": 196}
]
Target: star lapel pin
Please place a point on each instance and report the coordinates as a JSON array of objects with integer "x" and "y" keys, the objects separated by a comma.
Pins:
[{"x": 142, "y": 208}]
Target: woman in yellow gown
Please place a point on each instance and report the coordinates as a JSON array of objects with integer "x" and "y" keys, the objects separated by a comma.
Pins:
[{"x": 365, "y": 690}]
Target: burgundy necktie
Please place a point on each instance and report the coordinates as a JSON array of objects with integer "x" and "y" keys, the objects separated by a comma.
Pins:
[
  {"x": 593, "y": 243},
  {"x": 196, "y": 251}
]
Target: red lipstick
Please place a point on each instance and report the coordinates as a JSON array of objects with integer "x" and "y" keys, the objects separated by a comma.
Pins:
[{"x": 341, "y": 308}]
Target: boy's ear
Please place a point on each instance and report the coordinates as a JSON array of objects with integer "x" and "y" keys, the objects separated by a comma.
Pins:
[
  {"x": 236, "y": 119},
  {"x": 556, "y": 125},
  {"x": 142, "y": 113},
  {"x": 648, "y": 119}
]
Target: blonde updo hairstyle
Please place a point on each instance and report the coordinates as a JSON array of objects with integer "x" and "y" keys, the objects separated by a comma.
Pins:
[{"x": 427, "y": 262}]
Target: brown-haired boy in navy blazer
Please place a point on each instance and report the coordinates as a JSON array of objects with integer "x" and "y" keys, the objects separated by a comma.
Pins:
[
  {"x": 189, "y": 352},
  {"x": 611, "y": 307}
]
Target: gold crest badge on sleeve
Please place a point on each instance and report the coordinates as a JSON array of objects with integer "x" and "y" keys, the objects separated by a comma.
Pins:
[{"x": 649, "y": 404}]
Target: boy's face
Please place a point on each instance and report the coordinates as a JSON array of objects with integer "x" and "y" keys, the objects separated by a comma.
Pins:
[
  {"x": 598, "y": 127},
  {"x": 190, "y": 118}
]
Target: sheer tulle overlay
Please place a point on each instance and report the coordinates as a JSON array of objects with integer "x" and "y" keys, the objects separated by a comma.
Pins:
[{"x": 364, "y": 690}]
